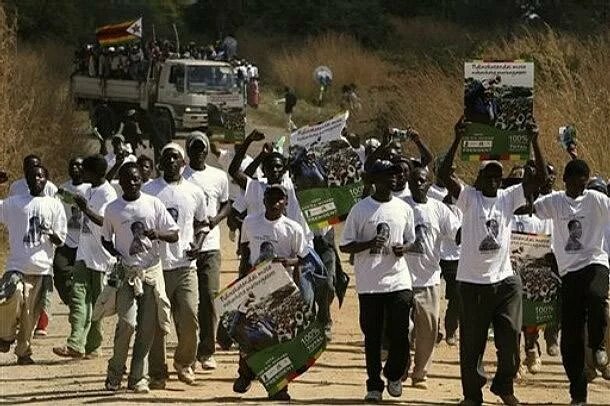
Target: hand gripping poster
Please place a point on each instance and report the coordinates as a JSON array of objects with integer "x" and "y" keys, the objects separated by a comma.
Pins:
[
  {"x": 326, "y": 172},
  {"x": 498, "y": 105},
  {"x": 531, "y": 257},
  {"x": 265, "y": 314}
]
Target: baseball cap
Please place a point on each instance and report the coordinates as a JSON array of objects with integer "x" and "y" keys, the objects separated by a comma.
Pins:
[
  {"x": 175, "y": 147},
  {"x": 382, "y": 166},
  {"x": 490, "y": 164},
  {"x": 277, "y": 188}
]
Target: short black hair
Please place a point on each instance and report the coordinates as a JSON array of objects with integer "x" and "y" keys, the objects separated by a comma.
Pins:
[
  {"x": 29, "y": 158},
  {"x": 32, "y": 168},
  {"x": 576, "y": 168},
  {"x": 128, "y": 166},
  {"x": 274, "y": 155},
  {"x": 95, "y": 164},
  {"x": 144, "y": 158}
]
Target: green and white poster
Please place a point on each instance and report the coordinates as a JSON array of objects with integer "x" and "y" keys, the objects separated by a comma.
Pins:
[
  {"x": 498, "y": 105},
  {"x": 265, "y": 314},
  {"x": 531, "y": 258},
  {"x": 227, "y": 117},
  {"x": 326, "y": 171}
]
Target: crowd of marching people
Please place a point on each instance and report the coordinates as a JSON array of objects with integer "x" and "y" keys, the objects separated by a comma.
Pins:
[{"x": 116, "y": 239}]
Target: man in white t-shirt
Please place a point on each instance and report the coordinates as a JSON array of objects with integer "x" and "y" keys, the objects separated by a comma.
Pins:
[
  {"x": 93, "y": 262},
  {"x": 20, "y": 186},
  {"x": 433, "y": 223},
  {"x": 579, "y": 218},
  {"x": 270, "y": 236},
  {"x": 120, "y": 155},
  {"x": 215, "y": 185},
  {"x": 36, "y": 225},
  {"x": 185, "y": 202},
  {"x": 485, "y": 274},
  {"x": 63, "y": 263},
  {"x": 378, "y": 231},
  {"x": 137, "y": 222}
]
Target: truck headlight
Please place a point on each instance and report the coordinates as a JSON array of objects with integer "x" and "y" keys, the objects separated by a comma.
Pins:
[{"x": 193, "y": 109}]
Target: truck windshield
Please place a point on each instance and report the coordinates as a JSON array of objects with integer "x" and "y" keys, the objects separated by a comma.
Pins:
[{"x": 200, "y": 79}]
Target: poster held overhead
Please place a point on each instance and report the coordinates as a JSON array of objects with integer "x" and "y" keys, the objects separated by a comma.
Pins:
[{"x": 498, "y": 106}]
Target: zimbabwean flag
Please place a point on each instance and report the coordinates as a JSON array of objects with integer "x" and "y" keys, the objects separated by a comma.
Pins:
[{"x": 117, "y": 33}]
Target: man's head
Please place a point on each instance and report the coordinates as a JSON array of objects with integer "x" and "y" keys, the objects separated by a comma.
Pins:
[
  {"x": 94, "y": 169},
  {"x": 493, "y": 227},
  {"x": 197, "y": 149},
  {"x": 419, "y": 183},
  {"x": 275, "y": 201},
  {"x": 405, "y": 171},
  {"x": 490, "y": 178},
  {"x": 576, "y": 176},
  {"x": 575, "y": 229},
  {"x": 130, "y": 180},
  {"x": 274, "y": 166},
  {"x": 384, "y": 175},
  {"x": 172, "y": 161},
  {"x": 75, "y": 169},
  {"x": 137, "y": 229},
  {"x": 31, "y": 161},
  {"x": 36, "y": 179},
  {"x": 146, "y": 165},
  {"x": 598, "y": 184}
]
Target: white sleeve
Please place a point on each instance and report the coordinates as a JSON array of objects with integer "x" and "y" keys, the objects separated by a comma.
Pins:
[
  {"x": 516, "y": 196},
  {"x": 107, "y": 229},
  {"x": 201, "y": 211},
  {"x": 465, "y": 199},
  {"x": 544, "y": 207},
  {"x": 224, "y": 192},
  {"x": 350, "y": 230},
  {"x": 240, "y": 205},
  {"x": 603, "y": 203},
  {"x": 408, "y": 234},
  {"x": 60, "y": 223},
  {"x": 299, "y": 241}
]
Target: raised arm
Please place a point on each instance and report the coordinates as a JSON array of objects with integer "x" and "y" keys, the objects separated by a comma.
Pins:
[
  {"x": 425, "y": 153},
  {"x": 445, "y": 172},
  {"x": 235, "y": 168},
  {"x": 542, "y": 177}
]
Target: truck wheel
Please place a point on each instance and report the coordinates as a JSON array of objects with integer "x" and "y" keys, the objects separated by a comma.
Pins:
[{"x": 105, "y": 119}]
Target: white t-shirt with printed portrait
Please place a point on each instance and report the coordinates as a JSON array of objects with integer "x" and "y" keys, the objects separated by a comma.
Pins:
[
  {"x": 73, "y": 213},
  {"x": 281, "y": 238},
  {"x": 185, "y": 202},
  {"x": 380, "y": 271},
  {"x": 578, "y": 228},
  {"x": 524, "y": 223},
  {"x": 450, "y": 251},
  {"x": 215, "y": 185},
  {"x": 90, "y": 249},
  {"x": 126, "y": 221},
  {"x": 433, "y": 222},
  {"x": 486, "y": 231},
  {"x": 26, "y": 217}
]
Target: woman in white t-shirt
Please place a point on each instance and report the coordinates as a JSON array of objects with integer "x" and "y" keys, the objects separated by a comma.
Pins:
[{"x": 378, "y": 231}]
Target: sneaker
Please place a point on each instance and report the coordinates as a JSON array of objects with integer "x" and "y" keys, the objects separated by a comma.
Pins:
[
  {"x": 156, "y": 384},
  {"x": 93, "y": 354},
  {"x": 469, "y": 402},
  {"x": 185, "y": 374},
  {"x": 606, "y": 373},
  {"x": 578, "y": 403},
  {"x": 67, "y": 352},
  {"x": 451, "y": 340},
  {"x": 419, "y": 383},
  {"x": 39, "y": 332},
  {"x": 373, "y": 396},
  {"x": 395, "y": 388},
  {"x": 509, "y": 399},
  {"x": 208, "y": 363},
  {"x": 112, "y": 385},
  {"x": 601, "y": 359},
  {"x": 43, "y": 323},
  {"x": 552, "y": 349},
  {"x": 141, "y": 386},
  {"x": 282, "y": 396},
  {"x": 521, "y": 373},
  {"x": 533, "y": 361},
  {"x": 242, "y": 385},
  {"x": 26, "y": 360}
]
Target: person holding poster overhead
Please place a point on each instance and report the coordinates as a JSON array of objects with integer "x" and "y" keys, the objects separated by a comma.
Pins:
[
  {"x": 485, "y": 274},
  {"x": 579, "y": 217},
  {"x": 379, "y": 230}
]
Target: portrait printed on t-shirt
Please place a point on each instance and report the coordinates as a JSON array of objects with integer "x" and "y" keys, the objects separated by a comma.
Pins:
[
  {"x": 266, "y": 252},
  {"x": 520, "y": 227},
  {"x": 490, "y": 242},
  {"x": 575, "y": 234},
  {"x": 173, "y": 212},
  {"x": 34, "y": 234},
  {"x": 86, "y": 229},
  {"x": 140, "y": 242},
  {"x": 383, "y": 230},
  {"x": 75, "y": 217},
  {"x": 418, "y": 246}
]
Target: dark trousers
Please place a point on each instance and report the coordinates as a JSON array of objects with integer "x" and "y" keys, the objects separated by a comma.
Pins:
[
  {"x": 583, "y": 299},
  {"x": 63, "y": 267},
  {"x": 325, "y": 288},
  {"x": 452, "y": 314},
  {"x": 498, "y": 304},
  {"x": 374, "y": 309},
  {"x": 208, "y": 278}
]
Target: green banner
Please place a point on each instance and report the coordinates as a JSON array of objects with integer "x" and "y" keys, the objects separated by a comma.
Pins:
[
  {"x": 326, "y": 205},
  {"x": 483, "y": 142}
]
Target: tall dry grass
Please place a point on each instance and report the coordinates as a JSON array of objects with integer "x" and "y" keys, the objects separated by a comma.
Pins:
[
  {"x": 36, "y": 114},
  {"x": 572, "y": 86}
]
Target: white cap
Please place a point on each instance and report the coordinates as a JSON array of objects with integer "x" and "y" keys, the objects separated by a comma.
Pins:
[{"x": 176, "y": 147}]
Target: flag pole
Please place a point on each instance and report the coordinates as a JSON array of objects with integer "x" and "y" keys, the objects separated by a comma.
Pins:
[{"x": 177, "y": 38}]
